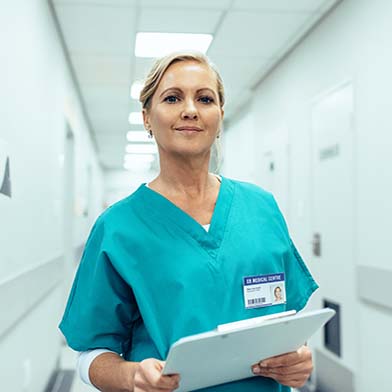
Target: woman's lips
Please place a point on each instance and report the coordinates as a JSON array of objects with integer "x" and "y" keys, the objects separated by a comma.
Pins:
[{"x": 189, "y": 129}]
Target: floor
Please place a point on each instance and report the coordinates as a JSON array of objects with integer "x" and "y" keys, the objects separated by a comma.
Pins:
[{"x": 68, "y": 362}]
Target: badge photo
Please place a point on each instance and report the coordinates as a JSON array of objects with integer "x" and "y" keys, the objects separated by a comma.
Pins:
[{"x": 264, "y": 290}]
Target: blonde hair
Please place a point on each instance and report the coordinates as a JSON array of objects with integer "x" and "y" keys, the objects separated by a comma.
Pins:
[{"x": 162, "y": 64}]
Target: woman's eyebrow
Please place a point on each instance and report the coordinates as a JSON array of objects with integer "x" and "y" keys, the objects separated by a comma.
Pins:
[
  {"x": 206, "y": 88},
  {"x": 177, "y": 89},
  {"x": 169, "y": 89}
]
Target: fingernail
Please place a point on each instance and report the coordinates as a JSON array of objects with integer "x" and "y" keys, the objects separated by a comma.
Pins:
[
  {"x": 263, "y": 364},
  {"x": 256, "y": 370}
]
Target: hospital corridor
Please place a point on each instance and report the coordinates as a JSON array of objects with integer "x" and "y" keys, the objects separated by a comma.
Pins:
[{"x": 195, "y": 195}]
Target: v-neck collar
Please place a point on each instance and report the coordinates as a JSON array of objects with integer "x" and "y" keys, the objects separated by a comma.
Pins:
[{"x": 210, "y": 240}]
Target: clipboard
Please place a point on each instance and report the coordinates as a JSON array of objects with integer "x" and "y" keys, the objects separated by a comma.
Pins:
[{"x": 227, "y": 353}]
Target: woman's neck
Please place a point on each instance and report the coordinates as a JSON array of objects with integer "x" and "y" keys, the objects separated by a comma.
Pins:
[{"x": 185, "y": 178}]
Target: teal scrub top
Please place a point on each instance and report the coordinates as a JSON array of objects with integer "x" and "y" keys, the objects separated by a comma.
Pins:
[{"x": 150, "y": 274}]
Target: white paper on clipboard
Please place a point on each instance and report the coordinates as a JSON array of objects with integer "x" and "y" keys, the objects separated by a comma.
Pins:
[{"x": 218, "y": 357}]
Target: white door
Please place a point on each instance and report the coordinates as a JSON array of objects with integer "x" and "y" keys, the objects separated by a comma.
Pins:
[{"x": 333, "y": 218}]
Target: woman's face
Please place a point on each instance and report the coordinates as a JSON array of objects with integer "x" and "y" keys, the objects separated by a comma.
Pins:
[{"x": 185, "y": 114}]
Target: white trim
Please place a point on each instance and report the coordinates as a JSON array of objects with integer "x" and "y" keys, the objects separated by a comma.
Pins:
[{"x": 21, "y": 293}]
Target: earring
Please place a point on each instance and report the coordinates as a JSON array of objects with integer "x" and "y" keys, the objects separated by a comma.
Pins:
[{"x": 150, "y": 133}]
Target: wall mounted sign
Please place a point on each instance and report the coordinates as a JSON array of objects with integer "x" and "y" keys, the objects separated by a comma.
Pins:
[{"x": 5, "y": 176}]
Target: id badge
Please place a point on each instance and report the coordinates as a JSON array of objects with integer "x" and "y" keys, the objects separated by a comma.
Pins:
[{"x": 264, "y": 290}]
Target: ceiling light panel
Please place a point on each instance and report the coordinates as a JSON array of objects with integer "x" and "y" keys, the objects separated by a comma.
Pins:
[
  {"x": 281, "y": 5},
  {"x": 166, "y": 20},
  {"x": 136, "y": 88},
  {"x": 98, "y": 30},
  {"x": 141, "y": 148},
  {"x": 135, "y": 158},
  {"x": 159, "y": 44},
  {"x": 137, "y": 166},
  {"x": 189, "y": 4},
  {"x": 139, "y": 137},
  {"x": 126, "y": 3}
]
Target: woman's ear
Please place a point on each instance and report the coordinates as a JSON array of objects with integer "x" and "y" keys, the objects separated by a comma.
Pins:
[{"x": 146, "y": 120}]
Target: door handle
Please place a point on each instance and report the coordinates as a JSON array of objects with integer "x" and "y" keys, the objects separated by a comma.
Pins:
[{"x": 316, "y": 244}]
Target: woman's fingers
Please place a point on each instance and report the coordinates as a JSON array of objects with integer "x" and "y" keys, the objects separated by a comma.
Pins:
[
  {"x": 292, "y": 369},
  {"x": 294, "y": 378},
  {"x": 289, "y": 359},
  {"x": 298, "y": 368},
  {"x": 149, "y": 377}
]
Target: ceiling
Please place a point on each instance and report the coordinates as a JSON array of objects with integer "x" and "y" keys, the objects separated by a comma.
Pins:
[{"x": 250, "y": 38}]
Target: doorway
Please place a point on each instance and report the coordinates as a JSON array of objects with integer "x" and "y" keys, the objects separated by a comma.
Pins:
[{"x": 333, "y": 215}]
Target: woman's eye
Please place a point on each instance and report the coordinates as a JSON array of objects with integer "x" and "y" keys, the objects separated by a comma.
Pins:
[
  {"x": 171, "y": 99},
  {"x": 206, "y": 99}
]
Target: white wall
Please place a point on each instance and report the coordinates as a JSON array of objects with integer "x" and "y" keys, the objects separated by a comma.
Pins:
[
  {"x": 352, "y": 43},
  {"x": 238, "y": 147},
  {"x": 38, "y": 98},
  {"x": 120, "y": 184}
]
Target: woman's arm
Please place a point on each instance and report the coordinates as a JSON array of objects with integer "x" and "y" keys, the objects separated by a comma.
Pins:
[
  {"x": 85, "y": 359},
  {"x": 111, "y": 373}
]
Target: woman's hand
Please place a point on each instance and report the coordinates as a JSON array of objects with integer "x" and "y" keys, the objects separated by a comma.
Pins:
[
  {"x": 291, "y": 369},
  {"x": 148, "y": 377}
]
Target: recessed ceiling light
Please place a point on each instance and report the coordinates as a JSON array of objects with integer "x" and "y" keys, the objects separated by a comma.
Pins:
[
  {"x": 139, "y": 136},
  {"x": 141, "y": 149},
  {"x": 136, "y": 88},
  {"x": 135, "y": 118},
  {"x": 138, "y": 162},
  {"x": 138, "y": 158},
  {"x": 160, "y": 44},
  {"x": 139, "y": 166}
]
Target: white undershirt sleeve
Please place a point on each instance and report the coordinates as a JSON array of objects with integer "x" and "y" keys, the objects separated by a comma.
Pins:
[{"x": 85, "y": 360}]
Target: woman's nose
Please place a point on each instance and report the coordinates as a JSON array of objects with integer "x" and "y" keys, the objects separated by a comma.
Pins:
[{"x": 190, "y": 111}]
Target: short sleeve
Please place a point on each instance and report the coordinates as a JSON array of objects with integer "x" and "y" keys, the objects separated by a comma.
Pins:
[
  {"x": 300, "y": 284},
  {"x": 101, "y": 307}
]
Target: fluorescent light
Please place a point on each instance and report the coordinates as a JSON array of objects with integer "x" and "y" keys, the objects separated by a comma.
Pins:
[
  {"x": 139, "y": 136},
  {"x": 136, "y": 87},
  {"x": 138, "y": 162},
  {"x": 141, "y": 149},
  {"x": 138, "y": 158},
  {"x": 160, "y": 44},
  {"x": 135, "y": 118},
  {"x": 140, "y": 166}
]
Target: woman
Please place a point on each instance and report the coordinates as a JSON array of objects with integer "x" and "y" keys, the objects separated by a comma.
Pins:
[
  {"x": 278, "y": 294},
  {"x": 177, "y": 256}
]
